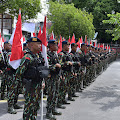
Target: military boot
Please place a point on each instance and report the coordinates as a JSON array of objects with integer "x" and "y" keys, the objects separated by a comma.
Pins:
[
  {"x": 60, "y": 106},
  {"x": 50, "y": 116},
  {"x": 2, "y": 96},
  {"x": 55, "y": 112},
  {"x": 16, "y": 106},
  {"x": 11, "y": 110}
]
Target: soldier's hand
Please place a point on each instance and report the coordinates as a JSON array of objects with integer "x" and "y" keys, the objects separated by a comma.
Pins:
[
  {"x": 70, "y": 63},
  {"x": 58, "y": 65}
]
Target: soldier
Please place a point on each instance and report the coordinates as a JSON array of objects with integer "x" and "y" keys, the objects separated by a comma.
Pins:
[
  {"x": 54, "y": 80},
  {"x": 77, "y": 69},
  {"x": 12, "y": 83},
  {"x": 83, "y": 64},
  {"x": 7, "y": 48},
  {"x": 30, "y": 70},
  {"x": 67, "y": 67}
]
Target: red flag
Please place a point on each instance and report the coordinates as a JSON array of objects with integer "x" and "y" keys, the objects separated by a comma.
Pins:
[
  {"x": 39, "y": 34},
  {"x": 99, "y": 45},
  {"x": 16, "y": 51},
  {"x": 69, "y": 39},
  {"x": 109, "y": 47},
  {"x": 78, "y": 43},
  {"x": 73, "y": 39},
  {"x": 33, "y": 34},
  {"x": 52, "y": 36},
  {"x": 44, "y": 43},
  {"x": 85, "y": 39},
  {"x": 90, "y": 42},
  {"x": 60, "y": 45},
  {"x": 63, "y": 39}
]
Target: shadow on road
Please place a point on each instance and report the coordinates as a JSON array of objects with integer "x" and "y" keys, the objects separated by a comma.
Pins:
[{"x": 106, "y": 97}]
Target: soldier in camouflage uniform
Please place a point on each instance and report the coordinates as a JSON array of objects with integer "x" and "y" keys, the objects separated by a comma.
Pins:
[
  {"x": 3, "y": 61},
  {"x": 12, "y": 85},
  {"x": 54, "y": 80},
  {"x": 83, "y": 60},
  {"x": 67, "y": 68},
  {"x": 29, "y": 70},
  {"x": 77, "y": 69}
]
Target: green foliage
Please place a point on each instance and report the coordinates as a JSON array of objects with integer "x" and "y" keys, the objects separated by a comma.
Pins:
[
  {"x": 29, "y": 8},
  {"x": 99, "y": 9},
  {"x": 68, "y": 20},
  {"x": 115, "y": 21}
]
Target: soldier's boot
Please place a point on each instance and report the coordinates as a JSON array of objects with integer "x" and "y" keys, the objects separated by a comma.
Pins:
[
  {"x": 65, "y": 102},
  {"x": 50, "y": 116},
  {"x": 55, "y": 112},
  {"x": 16, "y": 106},
  {"x": 11, "y": 110},
  {"x": 60, "y": 106},
  {"x": 71, "y": 99},
  {"x": 2, "y": 96}
]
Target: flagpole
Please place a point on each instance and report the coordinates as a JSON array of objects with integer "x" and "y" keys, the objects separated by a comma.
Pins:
[{"x": 42, "y": 101}]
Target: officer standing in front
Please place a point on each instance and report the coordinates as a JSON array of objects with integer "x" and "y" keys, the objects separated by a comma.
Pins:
[{"x": 29, "y": 71}]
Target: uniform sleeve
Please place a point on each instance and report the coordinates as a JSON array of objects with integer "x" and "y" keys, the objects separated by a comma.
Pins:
[
  {"x": 25, "y": 61},
  {"x": 51, "y": 66}
]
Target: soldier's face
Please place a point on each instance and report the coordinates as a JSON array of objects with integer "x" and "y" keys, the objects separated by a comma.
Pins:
[
  {"x": 74, "y": 48},
  {"x": 36, "y": 46},
  {"x": 55, "y": 47},
  {"x": 7, "y": 46}
]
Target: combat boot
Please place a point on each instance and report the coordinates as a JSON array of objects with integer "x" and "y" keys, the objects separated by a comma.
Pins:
[
  {"x": 11, "y": 110},
  {"x": 65, "y": 102},
  {"x": 60, "y": 106},
  {"x": 55, "y": 112},
  {"x": 2, "y": 96},
  {"x": 16, "y": 106},
  {"x": 71, "y": 99},
  {"x": 50, "y": 116}
]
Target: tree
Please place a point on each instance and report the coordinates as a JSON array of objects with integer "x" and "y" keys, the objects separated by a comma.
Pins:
[
  {"x": 29, "y": 8},
  {"x": 115, "y": 21},
  {"x": 68, "y": 20},
  {"x": 99, "y": 9}
]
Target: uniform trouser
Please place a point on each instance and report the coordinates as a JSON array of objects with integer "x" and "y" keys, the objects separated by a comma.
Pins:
[
  {"x": 12, "y": 90},
  {"x": 3, "y": 85},
  {"x": 53, "y": 92},
  {"x": 32, "y": 101}
]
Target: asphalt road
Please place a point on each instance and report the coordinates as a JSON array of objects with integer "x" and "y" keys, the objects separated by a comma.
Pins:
[{"x": 99, "y": 101}]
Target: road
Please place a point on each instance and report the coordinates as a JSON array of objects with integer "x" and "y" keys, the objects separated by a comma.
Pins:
[{"x": 99, "y": 101}]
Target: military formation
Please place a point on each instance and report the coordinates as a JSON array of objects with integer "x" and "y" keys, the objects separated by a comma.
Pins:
[{"x": 67, "y": 73}]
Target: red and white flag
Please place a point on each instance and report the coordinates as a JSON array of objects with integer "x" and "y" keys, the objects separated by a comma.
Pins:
[
  {"x": 43, "y": 38},
  {"x": 69, "y": 39},
  {"x": 33, "y": 34},
  {"x": 90, "y": 42},
  {"x": 39, "y": 34},
  {"x": 16, "y": 50},
  {"x": 60, "y": 45},
  {"x": 51, "y": 36},
  {"x": 72, "y": 41},
  {"x": 78, "y": 43}
]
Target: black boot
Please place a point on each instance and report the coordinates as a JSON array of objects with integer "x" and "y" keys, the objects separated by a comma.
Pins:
[
  {"x": 71, "y": 99},
  {"x": 55, "y": 112},
  {"x": 11, "y": 110},
  {"x": 60, "y": 106},
  {"x": 65, "y": 102},
  {"x": 50, "y": 116},
  {"x": 74, "y": 95},
  {"x": 16, "y": 106}
]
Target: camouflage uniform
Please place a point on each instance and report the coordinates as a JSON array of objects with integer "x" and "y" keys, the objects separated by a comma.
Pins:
[
  {"x": 65, "y": 57},
  {"x": 53, "y": 83},
  {"x": 32, "y": 83}
]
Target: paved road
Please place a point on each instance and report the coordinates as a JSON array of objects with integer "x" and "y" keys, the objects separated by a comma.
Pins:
[{"x": 99, "y": 101}]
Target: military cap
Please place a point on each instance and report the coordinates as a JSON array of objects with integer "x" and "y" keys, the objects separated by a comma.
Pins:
[
  {"x": 73, "y": 44},
  {"x": 88, "y": 45},
  {"x": 24, "y": 44},
  {"x": 6, "y": 42},
  {"x": 34, "y": 39},
  {"x": 96, "y": 48},
  {"x": 52, "y": 42},
  {"x": 83, "y": 44},
  {"x": 92, "y": 46},
  {"x": 104, "y": 49},
  {"x": 65, "y": 43}
]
